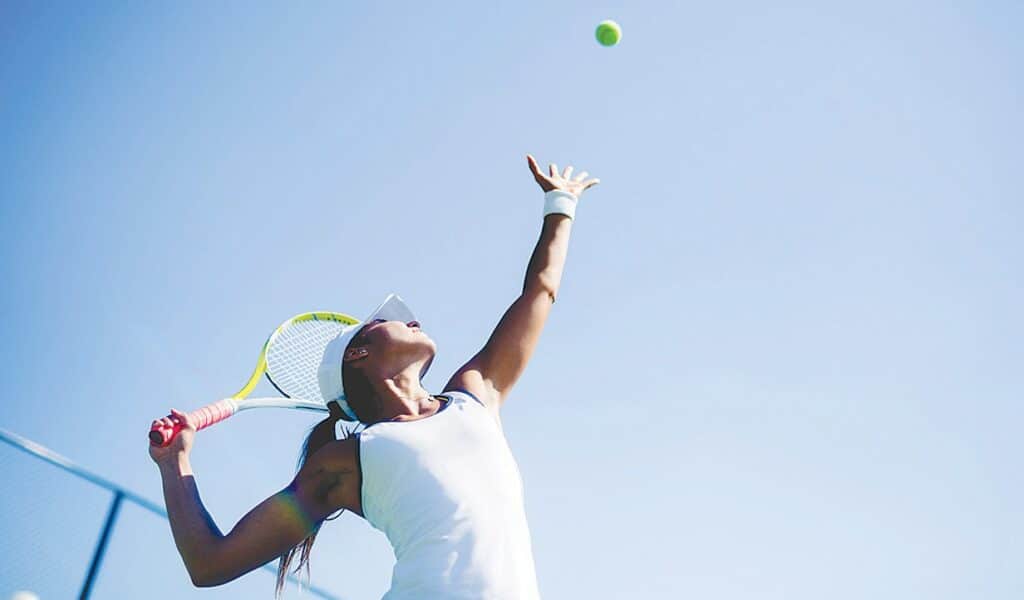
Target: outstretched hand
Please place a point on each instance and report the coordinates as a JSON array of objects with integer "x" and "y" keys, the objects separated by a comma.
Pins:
[{"x": 561, "y": 181}]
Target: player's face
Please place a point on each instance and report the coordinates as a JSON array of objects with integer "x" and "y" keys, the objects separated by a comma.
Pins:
[
  {"x": 384, "y": 333},
  {"x": 394, "y": 339}
]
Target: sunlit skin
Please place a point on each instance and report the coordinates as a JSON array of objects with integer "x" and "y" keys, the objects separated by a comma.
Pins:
[{"x": 393, "y": 355}]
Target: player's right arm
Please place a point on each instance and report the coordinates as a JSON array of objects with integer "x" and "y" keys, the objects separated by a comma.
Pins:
[
  {"x": 269, "y": 530},
  {"x": 492, "y": 372}
]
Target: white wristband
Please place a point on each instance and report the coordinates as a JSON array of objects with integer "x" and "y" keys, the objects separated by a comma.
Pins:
[{"x": 560, "y": 202}]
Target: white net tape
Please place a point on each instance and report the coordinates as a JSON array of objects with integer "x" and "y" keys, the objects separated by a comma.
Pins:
[{"x": 294, "y": 356}]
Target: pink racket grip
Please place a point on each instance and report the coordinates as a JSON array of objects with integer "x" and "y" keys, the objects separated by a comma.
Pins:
[{"x": 203, "y": 418}]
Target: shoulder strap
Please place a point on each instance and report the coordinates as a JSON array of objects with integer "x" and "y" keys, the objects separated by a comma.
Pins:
[{"x": 464, "y": 392}]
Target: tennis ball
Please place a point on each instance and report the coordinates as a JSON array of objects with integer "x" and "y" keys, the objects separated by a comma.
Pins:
[{"x": 608, "y": 33}]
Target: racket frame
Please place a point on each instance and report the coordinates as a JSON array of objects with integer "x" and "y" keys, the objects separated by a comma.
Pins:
[{"x": 227, "y": 407}]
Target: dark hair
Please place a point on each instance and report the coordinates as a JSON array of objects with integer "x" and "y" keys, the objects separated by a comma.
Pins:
[
  {"x": 358, "y": 391},
  {"x": 357, "y": 386}
]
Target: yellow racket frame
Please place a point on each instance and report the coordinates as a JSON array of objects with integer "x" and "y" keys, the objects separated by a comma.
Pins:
[
  {"x": 261, "y": 365},
  {"x": 162, "y": 435}
]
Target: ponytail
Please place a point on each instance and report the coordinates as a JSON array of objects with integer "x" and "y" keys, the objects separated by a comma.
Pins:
[{"x": 321, "y": 434}]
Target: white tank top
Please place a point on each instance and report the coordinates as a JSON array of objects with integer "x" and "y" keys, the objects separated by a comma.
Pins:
[{"x": 448, "y": 495}]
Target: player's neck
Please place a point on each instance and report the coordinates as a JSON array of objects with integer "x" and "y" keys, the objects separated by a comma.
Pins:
[{"x": 403, "y": 398}]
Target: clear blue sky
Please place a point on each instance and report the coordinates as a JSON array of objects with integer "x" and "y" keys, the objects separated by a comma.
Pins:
[{"x": 786, "y": 357}]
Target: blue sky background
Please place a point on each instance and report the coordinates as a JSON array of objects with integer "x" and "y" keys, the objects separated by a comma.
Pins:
[{"x": 786, "y": 357}]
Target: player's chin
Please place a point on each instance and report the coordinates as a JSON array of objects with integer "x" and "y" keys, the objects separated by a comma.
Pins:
[{"x": 423, "y": 340}]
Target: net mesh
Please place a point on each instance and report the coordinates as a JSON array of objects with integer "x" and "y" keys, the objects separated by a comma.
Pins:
[
  {"x": 294, "y": 355},
  {"x": 51, "y": 523}
]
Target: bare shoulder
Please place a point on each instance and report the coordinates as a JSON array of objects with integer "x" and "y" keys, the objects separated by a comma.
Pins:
[
  {"x": 339, "y": 455},
  {"x": 331, "y": 479},
  {"x": 469, "y": 379}
]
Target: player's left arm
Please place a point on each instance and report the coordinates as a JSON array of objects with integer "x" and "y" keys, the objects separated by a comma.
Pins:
[{"x": 492, "y": 372}]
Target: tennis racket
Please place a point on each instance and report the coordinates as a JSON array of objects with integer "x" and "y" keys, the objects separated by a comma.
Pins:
[{"x": 290, "y": 359}]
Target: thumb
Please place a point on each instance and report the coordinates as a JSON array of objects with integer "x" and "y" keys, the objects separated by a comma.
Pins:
[{"x": 184, "y": 418}]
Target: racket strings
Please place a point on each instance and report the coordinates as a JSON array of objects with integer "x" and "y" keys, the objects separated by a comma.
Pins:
[{"x": 294, "y": 355}]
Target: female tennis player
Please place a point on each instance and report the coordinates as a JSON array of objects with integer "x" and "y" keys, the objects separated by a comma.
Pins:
[{"x": 432, "y": 471}]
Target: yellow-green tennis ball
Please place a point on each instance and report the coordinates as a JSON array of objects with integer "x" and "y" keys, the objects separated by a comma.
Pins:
[{"x": 608, "y": 33}]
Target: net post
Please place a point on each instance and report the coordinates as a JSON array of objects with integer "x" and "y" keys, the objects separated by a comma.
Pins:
[{"x": 101, "y": 545}]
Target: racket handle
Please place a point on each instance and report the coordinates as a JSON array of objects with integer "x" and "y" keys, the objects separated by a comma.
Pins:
[{"x": 203, "y": 418}]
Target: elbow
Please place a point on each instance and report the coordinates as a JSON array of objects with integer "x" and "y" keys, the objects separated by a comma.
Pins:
[
  {"x": 543, "y": 287},
  {"x": 208, "y": 579},
  {"x": 201, "y": 580},
  {"x": 198, "y": 565},
  {"x": 202, "y": 577},
  {"x": 208, "y": 574}
]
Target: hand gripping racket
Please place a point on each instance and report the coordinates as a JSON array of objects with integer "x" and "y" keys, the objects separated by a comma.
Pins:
[{"x": 290, "y": 358}]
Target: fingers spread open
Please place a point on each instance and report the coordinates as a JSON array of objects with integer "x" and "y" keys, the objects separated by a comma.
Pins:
[
  {"x": 553, "y": 168},
  {"x": 581, "y": 176},
  {"x": 567, "y": 172}
]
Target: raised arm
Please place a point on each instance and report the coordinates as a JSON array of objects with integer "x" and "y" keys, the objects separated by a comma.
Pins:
[
  {"x": 492, "y": 372},
  {"x": 266, "y": 532}
]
